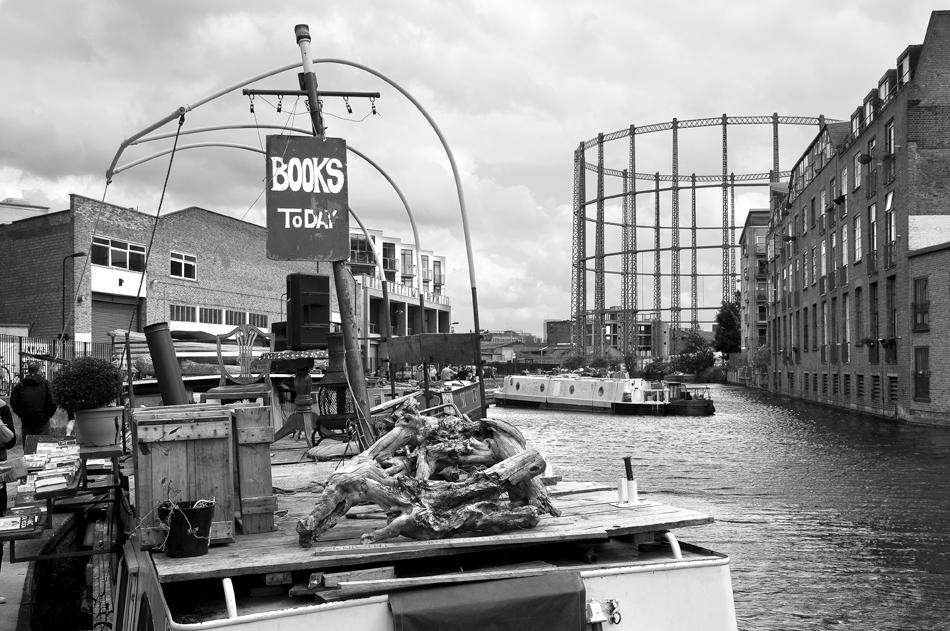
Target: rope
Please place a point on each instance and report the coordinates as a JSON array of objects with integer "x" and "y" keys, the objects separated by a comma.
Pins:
[{"x": 151, "y": 238}]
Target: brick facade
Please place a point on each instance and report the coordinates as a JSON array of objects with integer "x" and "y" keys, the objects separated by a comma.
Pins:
[
  {"x": 232, "y": 271},
  {"x": 851, "y": 334}
]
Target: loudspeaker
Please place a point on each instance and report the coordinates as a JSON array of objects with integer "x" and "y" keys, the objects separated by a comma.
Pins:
[{"x": 308, "y": 311}]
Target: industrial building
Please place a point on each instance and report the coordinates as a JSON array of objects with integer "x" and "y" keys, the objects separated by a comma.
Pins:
[
  {"x": 96, "y": 267},
  {"x": 859, "y": 249}
]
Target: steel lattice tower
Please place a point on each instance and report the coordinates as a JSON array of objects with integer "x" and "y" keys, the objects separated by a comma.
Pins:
[{"x": 594, "y": 319}]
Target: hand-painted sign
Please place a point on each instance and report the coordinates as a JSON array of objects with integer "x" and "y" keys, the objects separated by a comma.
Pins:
[{"x": 307, "y": 193}]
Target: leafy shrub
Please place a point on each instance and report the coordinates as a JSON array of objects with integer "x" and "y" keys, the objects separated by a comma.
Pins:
[{"x": 86, "y": 383}]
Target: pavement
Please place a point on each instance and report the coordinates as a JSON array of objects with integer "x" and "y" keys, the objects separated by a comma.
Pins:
[{"x": 12, "y": 580}]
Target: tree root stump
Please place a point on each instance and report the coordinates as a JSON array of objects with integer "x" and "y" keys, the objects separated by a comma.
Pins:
[{"x": 435, "y": 478}]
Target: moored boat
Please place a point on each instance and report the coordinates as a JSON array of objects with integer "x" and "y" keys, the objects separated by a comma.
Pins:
[{"x": 686, "y": 401}]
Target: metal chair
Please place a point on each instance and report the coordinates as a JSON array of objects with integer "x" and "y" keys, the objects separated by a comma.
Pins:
[{"x": 245, "y": 344}]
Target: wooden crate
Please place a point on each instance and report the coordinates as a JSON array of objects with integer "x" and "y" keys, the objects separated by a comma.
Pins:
[
  {"x": 256, "y": 501},
  {"x": 187, "y": 453}
]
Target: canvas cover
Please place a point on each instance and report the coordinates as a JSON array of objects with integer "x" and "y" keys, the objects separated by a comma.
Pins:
[{"x": 554, "y": 602}]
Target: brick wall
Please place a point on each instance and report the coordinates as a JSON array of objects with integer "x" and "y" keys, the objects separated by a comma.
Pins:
[{"x": 31, "y": 257}]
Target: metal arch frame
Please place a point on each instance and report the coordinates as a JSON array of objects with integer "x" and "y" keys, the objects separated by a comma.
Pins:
[
  {"x": 582, "y": 317},
  {"x": 180, "y": 111}
]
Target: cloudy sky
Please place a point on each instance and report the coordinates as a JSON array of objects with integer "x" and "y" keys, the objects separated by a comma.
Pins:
[{"x": 514, "y": 86}]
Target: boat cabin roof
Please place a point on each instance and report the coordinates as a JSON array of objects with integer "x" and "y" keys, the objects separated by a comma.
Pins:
[{"x": 589, "y": 513}]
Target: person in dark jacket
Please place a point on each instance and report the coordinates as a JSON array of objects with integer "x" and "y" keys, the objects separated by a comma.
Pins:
[
  {"x": 32, "y": 402},
  {"x": 7, "y": 441}
]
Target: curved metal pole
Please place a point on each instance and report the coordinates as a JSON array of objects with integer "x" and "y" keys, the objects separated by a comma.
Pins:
[
  {"x": 198, "y": 130},
  {"x": 415, "y": 234},
  {"x": 197, "y": 145},
  {"x": 188, "y": 107},
  {"x": 445, "y": 145},
  {"x": 462, "y": 208}
]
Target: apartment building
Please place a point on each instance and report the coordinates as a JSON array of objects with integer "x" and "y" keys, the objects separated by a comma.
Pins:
[{"x": 859, "y": 249}]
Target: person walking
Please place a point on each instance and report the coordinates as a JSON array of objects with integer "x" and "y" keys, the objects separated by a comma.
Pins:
[
  {"x": 32, "y": 402},
  {"x": 7, "y": 441}
]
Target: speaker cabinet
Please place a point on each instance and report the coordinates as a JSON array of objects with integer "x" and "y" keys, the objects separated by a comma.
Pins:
[{"x": 308, "y": 311}]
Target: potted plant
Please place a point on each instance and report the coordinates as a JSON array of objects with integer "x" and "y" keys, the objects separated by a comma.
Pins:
[
  {"x": 866, "y": 341},
  {"x": 87, "y": 387},
  {"x": 187, "y": 525}
]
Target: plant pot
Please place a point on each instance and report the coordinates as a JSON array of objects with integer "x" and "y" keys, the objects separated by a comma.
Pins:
[
  {"x": 99, "y": 427},
  {"x": 189, "y": 528}
]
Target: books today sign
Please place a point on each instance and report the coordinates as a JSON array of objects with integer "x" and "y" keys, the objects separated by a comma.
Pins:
[{"x": 307, "y": 194}]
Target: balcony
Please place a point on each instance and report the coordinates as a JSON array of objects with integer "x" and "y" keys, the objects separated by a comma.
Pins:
[
  {"x": 888, "y": 169},
  {"x": 438, "y": 279},
  {"x": 871, "y": 183},
  {"x": 389, "y": 265},
  {"x": 408, "y": 269},
  {"x": 362, "y": 258},
  {"x": 921, "y": 312},
  {"x": 890, "y": 254},
  {"x": 426, "y": 275}
]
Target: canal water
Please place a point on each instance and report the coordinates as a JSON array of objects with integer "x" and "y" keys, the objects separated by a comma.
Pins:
[{"x": 831, "y": 519}]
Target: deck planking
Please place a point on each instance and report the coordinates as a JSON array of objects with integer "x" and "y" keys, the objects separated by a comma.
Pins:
[{"x": 587, "y": 515}]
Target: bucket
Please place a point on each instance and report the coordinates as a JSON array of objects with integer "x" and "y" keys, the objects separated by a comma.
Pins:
[{"x": 189, "y": 528}]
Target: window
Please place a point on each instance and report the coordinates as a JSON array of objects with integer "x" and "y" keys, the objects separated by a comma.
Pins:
[
  {"x": 805, "y": 332},
  {"x": 813, "y": 257},
  {"x": 184, "y": 266},
  {"x": 844, "y": 249},
  {"x": 858, "y": 318},
  {"x": 118, "y": 254},
  {"x": 903, "y": 70},
  {"x": 234, "y": 318},
  {"x": 833, "y": 188},
  {"x": 872, "y": 228},
  {"x": 921, "y": 305},
  {"x": 890, "y": 232},
  {"x": 181, "y": 313},
  {"x": 823, "y": 260},
  {"x": 361, "y": 250},
  {"x": 846, "y": 332},
  {"x": 207, "y": 315},
  {"x": 857, "y": 172},
  {"x": 889, "y": 137},
  {"x": 814, "y": 326},
  {"x": 408, "y": 267},
  {"x": 857, "y": 238},
  {"x": 824, "y": 200},
  {"x": 257, "y": 319},
  {"x": 922, "y": 372},
  {"x": 859, "y": 386},
  {"x": 873, "y": 322}
]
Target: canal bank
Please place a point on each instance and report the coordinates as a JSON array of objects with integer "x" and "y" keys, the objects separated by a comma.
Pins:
[
  {"x": 830, "y": 517},
  {"x": 893, "y": 411}
]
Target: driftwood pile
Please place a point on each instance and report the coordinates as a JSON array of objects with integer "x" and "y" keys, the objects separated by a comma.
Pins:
[{"x": 435, "y": 478}]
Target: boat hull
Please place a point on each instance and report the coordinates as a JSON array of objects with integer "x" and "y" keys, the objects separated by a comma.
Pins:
[{"x": 691, "y": 408}]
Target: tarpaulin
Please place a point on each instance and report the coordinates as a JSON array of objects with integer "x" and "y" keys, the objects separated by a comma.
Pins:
[
  {"x": 441, "y": 348},
  {"x": 553, "y": 602}
]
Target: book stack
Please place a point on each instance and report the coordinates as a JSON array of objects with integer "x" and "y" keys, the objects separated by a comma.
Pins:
[{"x": 24, "y": 518}]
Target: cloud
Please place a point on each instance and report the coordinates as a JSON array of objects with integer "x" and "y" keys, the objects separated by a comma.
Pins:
[{"x": 514, "y": 87}]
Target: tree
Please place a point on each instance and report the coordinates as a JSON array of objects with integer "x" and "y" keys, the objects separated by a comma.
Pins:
[
  {"x": 574, "y": 362},
  {"x": 728, "y": 331},
  {"x": 697, "y": 354}
]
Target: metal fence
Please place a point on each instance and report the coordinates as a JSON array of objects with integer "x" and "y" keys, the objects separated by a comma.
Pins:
[{"x": 16, "y": 351}]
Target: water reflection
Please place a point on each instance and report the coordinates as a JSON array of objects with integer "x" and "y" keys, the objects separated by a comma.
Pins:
[{"x": 830, "y": 517}]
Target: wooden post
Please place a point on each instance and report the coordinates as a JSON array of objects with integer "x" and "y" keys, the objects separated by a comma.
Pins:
[{"x": 354, "y": 365}]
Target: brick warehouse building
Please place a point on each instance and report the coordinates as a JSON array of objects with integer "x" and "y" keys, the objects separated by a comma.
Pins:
[
  {"x": 859, "y": 250},
  {"x": 206, "y": 272}
]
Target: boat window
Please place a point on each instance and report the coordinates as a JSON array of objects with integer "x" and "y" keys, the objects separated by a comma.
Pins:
[
  {"x": 518, "y": 386},
  {"x": 572, "y": 389},
  {"x": 145, "y": 616},
  {"x": 542, "y": 387},
  {"x": 600, "y": 391}
]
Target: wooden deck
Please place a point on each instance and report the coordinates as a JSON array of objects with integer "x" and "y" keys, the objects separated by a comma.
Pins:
[{"x": 589, "y": 513}]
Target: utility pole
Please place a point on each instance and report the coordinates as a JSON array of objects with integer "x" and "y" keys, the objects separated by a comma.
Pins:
[{"x": 353, "y": 362}]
